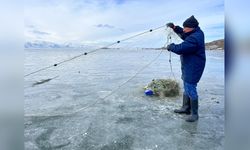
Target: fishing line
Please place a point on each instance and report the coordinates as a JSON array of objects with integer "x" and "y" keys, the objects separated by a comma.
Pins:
[
  {"x": 93, "y": 51},
  {"x": 170, "y": 60},
  {"x": 125, "y": 45},
  {"x": 169, "y": 41},
  {"x": 121, "y": 85},
  {"x": 111, "y": 93}
]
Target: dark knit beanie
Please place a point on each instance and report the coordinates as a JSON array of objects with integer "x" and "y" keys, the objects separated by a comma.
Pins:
[{"x": 191, "y": 22}]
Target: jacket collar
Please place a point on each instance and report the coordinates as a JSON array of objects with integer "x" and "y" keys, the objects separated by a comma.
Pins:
[{"x": 195, "y": 29}]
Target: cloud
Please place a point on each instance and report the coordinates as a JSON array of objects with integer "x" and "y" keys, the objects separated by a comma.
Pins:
[
  {"x": 105, "y": 26},
  {"x": 40, "y": 32},
  {"x": 30, "y": 26},
  {"x": 109, "y": 27},
  {"x": 85, "y": 20}
]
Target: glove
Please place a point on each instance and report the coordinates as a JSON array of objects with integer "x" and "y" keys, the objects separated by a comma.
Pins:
[
  {"x": 169, "y": 46},
  {"x": 170, "y": 25}
]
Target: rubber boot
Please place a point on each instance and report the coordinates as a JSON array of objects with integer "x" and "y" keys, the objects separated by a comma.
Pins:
[
  {"x": 185, "y": 109},
  {"x": 194, "y": 111}
]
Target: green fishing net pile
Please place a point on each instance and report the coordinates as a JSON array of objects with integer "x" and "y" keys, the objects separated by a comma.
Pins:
[{"x": 164, "y": 87}]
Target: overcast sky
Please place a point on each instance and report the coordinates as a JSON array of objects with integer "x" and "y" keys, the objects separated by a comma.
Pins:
[{"x": 93, "y": 21}]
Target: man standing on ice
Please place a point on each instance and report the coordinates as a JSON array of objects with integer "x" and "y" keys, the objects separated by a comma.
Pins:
[{"x": 193, "y": 59}]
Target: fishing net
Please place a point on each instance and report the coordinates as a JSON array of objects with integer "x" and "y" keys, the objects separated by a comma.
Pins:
[{"x": 164, "y": 87}]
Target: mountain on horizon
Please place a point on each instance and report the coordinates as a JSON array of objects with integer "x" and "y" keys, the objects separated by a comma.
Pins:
[
  {"x": 214, "y": 45},
  {"x": 47, "y": 44}
]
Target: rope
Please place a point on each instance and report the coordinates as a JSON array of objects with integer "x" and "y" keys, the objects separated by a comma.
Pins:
[
  {"x": 170, "y": 61},
  {"x": 121, "y": 85},
  {"x": 111, "y": 93},
  {"x": 169, "y": 41},
  {"x": 95, "y": 50}
]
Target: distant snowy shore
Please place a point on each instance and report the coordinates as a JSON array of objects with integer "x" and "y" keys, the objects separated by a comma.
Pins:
[{"x": 214, "y": 45}]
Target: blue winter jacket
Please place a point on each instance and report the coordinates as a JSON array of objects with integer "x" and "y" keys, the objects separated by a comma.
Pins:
[{"x": 192, "y": 54}]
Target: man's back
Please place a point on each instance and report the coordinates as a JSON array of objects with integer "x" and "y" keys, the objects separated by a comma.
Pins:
[{"x": 193, "y": 61}]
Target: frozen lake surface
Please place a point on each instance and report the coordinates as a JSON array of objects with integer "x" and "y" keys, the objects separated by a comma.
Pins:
[{"x": 70, "y": 112}]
